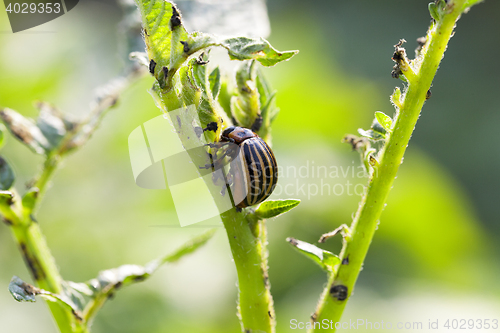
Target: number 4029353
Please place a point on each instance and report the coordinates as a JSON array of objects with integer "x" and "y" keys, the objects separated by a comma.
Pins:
[{"x": 32, "y": 8}]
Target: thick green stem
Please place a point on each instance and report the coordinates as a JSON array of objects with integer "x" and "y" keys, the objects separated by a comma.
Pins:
[
  {"x": 248, "y": 246},
  {"x": 332, "y": 303}
]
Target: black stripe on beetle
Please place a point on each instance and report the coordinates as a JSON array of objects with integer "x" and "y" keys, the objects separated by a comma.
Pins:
[{"x": 255, "y": 167}]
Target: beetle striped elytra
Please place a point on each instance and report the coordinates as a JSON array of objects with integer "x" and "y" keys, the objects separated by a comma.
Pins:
[{"x": 253, "y": 168}]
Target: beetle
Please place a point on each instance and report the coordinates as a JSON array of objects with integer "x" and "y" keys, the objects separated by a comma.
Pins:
[{"x": 253, "y": 167}]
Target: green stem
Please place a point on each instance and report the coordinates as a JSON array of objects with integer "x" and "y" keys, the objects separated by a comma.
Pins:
[
  {"x": 248, "y": 246},
  {"x": 44, "y": 271},
  {"x": 367, "y": 217}
]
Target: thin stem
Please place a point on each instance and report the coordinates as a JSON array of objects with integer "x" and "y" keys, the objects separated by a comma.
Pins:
[
  {"x": 248, "y": 246},
  {"x": 44, "y": 271},
  {"x": 332, "y": 304}
]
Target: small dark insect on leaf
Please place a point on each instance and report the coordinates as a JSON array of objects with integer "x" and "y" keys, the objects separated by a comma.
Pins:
[
  {"x": 175, "y": 20},
  {"x": 396, "y": 71},
  {"x": 339, "y": 292},
  {"x": 165, "y": 71},
  {"x": 354, "y": 141},
  {"x": 186, "y": 46},
  {"x": 257, "y": 124},
  {"x": 428, "y": 94},
  {"x": 314, "y": 317},
  {"x": 200, "y": 60},
  {"x": 345, "y": 261},
  {"x": 211, "y": 127},
  {"x": 152, "y": 66}
]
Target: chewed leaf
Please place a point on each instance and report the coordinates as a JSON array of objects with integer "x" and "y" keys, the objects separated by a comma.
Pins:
[
  {"x": 325, "y": 259},
  {"x": 242, "y": 48},
  {"x": 384, "y": 120},
  {"x": 22, "y": 291},
  {"x": 25, "y": 292},
  {"x": 163, "y": 33},
  {"x": 7, "y": 176},
  {"x": 50, "y": 122},
  {"x": 273, "y": 208},
  {"x": 25, "y": 131},
  {"x": 108, "y": 281}
]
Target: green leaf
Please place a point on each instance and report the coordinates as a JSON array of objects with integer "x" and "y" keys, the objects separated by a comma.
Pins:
[
  {"x": 242, "y": 48},
  {"x": 7, "y": 176},
  {"x": 384, "y": 120},
  {"x": 108, "y": 281},
  {"x": 273, "y": 208},
  {"x": 6, "y": 198},
  {"x": 29, "y": 200},
  {"x": 214, "y": 79},
  {"x": 323, "y": 258},
  {"x": 25, "y": 131},
  {"x": 24, "y": 292},
  {"x": 50, "y": 122},
  {"x": 2, "y": 135},
  {"x": 190, "y": 93},
  {"x": 163, "y": 32},
  {"x": 371, "y": 134},
  {"x": 470, "y": 3},
  {"x": 433, "y": 10},
  {"x": 225, "y": 97}
]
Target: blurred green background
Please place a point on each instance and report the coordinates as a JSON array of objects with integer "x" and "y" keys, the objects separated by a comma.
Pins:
[{"x": 435, "y": 255}]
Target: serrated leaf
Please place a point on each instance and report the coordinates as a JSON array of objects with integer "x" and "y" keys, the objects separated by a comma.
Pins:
[
  {"x": 384, "y": 120},
  {"x": 7, "y": 176},
  {"x": 273, "y": 208},
  {"x": 214, "y": 79},
  {"x": 50, "y": 122},
  {"x": 242, "y": 48},
  {"x": 325, "y": 259},
  {"x": 25, "y": 131}
]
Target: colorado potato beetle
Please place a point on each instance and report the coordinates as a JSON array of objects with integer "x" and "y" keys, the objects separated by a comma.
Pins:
[{"x": 253, "y": 168}]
